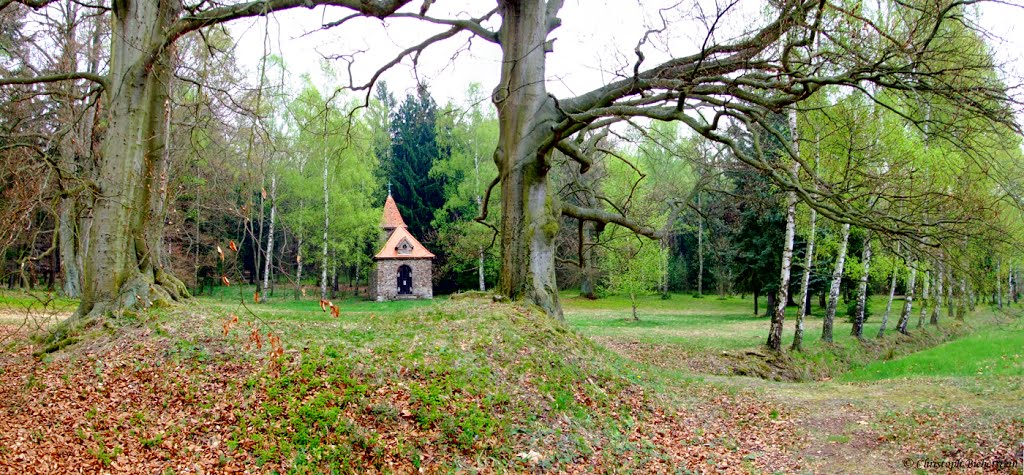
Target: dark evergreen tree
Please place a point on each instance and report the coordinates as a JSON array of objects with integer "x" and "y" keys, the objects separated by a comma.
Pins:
[
  {"x": 414, "y": 149},
  {"x": 758, "y": 238}
]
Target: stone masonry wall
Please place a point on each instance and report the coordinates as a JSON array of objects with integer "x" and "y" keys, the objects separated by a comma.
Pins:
[{"x": 384, "y": 285}]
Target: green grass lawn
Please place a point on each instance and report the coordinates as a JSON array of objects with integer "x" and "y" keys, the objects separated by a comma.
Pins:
[
  {"x": 710, "y": 323},
  {"x": 993, "y": 351},
  {"x": 20, "y": 300}
]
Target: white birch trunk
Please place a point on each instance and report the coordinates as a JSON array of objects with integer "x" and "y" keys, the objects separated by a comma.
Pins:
[
  {"x": 999, "y": 284},
  {"x": 268, "y": 259},
  {"x": 779, "y": 312},
  {"x": 805, "y": 291},
  {"x": 480, "y": 269},
  {"x": 925, "y": 289},
  {"x": 908, "y": 303},
  {"x": 961, "y": 310},
  {"x": 862, "y": 290},
  {"x": 700, "y": 251},
  {"x": 298, "y": 271},
  {"x": 937, "y": 302},
  {"x": 892, "y": 295},
  {"x": 833, "y": 293},
  {"x": 327, "y": 222},
  {"x": 949, "y": 294}
]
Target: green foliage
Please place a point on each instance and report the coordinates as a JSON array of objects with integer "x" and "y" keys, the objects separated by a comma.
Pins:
[
  {"x": 469, "y": 135},
  {"x": 635, "y": 268},
  {"x": 851, "y": 311},
  {"x": 414, "y": 149},
  {"x": 329, "y": 143}
]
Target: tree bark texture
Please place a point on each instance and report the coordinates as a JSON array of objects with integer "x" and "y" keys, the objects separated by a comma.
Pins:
[
  {"x": 122, "y": 268},
  {"x": 700, "y": 249},
  {"x": 526, "y": 114},
  {"x": 961, "y": 310},
  {"x": 892, "y": 295},
  {"x": 937, "y": 301},
  {"x": 798, "y": 332},
  {"x": 925, "y": 289},
  {"x": 833, "y": 293},
  {"x": 269, "y": 257},
  {"x": 908, "y": 303},
  {"x": 782, "y": 296},
  {"x": 327, "y": 222},
  {"x": 862, "y": 290}
]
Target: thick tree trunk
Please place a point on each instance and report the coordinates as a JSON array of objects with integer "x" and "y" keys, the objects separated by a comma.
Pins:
[
  {"x": 837, "y": 280},
  {"x": 862, "y": 290},
  {"x": 526, "y": 114},
  {"x": 269, "y": 257},
  {"x": 908, "y": 303},
  {"x": 122, "y": 268},
  {"x": 70, "y": 258},
  {"x": 999, "y": 283}
]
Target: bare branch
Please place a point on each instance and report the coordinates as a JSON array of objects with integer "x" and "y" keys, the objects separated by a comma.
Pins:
[
  {"x": 602, "y": 216},
  {"x": 96, "y": 78},
  {"x": 474, "y": 25}
]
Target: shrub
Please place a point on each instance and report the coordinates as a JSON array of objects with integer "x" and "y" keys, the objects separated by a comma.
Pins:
[{"x": 851, "y": 311}]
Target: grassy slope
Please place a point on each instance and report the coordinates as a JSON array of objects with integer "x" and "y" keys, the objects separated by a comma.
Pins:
[
  {"x": 915, "y": 399},
  {"x": 473, "y": 386},
  {"x": 993, "y": 351},
  {"x": 712, "y": 335},
  {"x": 457, "y": 386}
]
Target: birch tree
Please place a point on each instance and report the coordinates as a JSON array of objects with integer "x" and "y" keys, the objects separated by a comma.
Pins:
[
  {"x": 837, "y": 278},
  {"x": 782, "y": 297},
  {"x": 862, "y": 289},
  {"x": 908, "y": 301},
  {"x": 737, "y": 82}
]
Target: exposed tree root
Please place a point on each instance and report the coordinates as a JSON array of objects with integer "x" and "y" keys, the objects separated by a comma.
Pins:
[{"x": 141, "y": 292}]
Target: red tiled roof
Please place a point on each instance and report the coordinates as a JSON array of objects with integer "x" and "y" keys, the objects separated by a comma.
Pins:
[
  {"x": 390, "y": 249},
  {"x": 392, "y": 218}
]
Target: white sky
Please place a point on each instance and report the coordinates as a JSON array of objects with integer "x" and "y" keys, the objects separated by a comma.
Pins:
[{"x": 596, "y": 38}]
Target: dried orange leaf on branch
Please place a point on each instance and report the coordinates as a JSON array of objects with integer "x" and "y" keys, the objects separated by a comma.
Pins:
[{"x": 225, "y": 280}]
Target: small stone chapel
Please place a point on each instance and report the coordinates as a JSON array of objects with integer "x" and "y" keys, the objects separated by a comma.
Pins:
[{"x": 403, "y": 268}]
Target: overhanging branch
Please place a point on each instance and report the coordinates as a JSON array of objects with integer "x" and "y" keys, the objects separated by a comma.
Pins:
[
  {"x": 604, "y": 217},
  {"x": 72, "y": 76}
]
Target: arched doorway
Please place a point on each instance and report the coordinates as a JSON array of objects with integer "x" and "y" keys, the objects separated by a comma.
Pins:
[{"x": 404, "y": 280}]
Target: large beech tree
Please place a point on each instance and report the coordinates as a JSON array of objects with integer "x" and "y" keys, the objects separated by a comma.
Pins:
[
  {"x": 121, "y": 268},
  {"x": 799, "y": 48}
]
